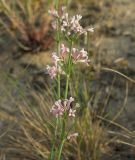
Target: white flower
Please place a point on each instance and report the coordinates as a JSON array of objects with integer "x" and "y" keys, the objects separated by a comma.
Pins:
[
  {"x": 54, "y": 26},
  {"x": 77, "y": 105},
  {"x": 72, "y": 136},
  {"x": 90, "y": 29},
  {"x": 65, "y": 16},
  {"x": 63, "y": 8},
  {"x": 72, "y": 113},
  {"x": 65, "y": 24},
  {"x": 68, "y": 33},
  {"x": 63, "y": 29},
  {"x": 53, "y": 13}
]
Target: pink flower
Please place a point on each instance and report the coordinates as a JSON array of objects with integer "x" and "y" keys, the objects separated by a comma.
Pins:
[
  {"x": 52, "y": 71},
  {"x": 67, "y": 103},
  {"x": 57, "y": 109},
  {"x": 72, "y": 136},
  {"x": 63, "y": 51},
  {"x": 55, "y": 58},
  {"x": 69, "y": 26},
  {"x": 75, "y": 25},
  {"x": 80, "y": 56},
  {"x": 62, "y": 106}
]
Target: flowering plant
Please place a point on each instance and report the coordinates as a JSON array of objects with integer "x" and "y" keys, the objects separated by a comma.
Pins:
[
  {"x": 70, "y": 26},
  {"x": 62, "y": 60},
  {"x": 63, "y": 63}
]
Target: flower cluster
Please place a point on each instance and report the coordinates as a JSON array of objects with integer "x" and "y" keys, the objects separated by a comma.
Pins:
[
  {"x": 56, "y": 69},
  {"x": 64, "y": 106},
  {"x": 70, "y": 26},
  {"x": 53, "y": 13},
  {"x": 52, "y": 71},
  {"x": 80, "y": 56},
  {"x": 77, "y": 56}
]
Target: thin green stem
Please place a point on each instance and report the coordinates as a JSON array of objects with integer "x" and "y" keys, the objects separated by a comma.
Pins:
[
  {"x": 66, "y": 94},
  {"x": 52, "y": 156},
  {"x": 58, "y": 47},
  {"x": 59, "y": 92},
  {"x": 88, "y": 40},
  {"x": 60, "y": 150},
  {"x": 56, "y": 4},
  {"x": 62, "y": 138},
  {"x": 67, "y": 85},
  {"x": 69, "y": 70},
  {"x": 54, "y": 140},
  {"x": 58, "y": 51}
]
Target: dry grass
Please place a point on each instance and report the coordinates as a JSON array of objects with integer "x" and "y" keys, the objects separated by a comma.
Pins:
[
  {"x": 29, "y": 132},
  {"x": 27, "y": 22}
]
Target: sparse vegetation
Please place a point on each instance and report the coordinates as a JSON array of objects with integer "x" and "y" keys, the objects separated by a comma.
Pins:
[{"x": 66, "y": 116}]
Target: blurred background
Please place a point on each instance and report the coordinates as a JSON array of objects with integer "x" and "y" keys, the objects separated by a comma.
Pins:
[{"x": 26, "y": 39}]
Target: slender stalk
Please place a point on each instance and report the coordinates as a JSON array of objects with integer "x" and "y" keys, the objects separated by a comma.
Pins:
[
  {"x": 69, "y": 70},
  {"x": 88, "y": 40},
  {"x": 52, "y": 155},
  {"x": 60, "y": 150},
  {"x": 54, "y": 140},
  {"x": 67, "y": 85},
  {"x": 56, "y": 4},
  {"x": 58, "y": 44},
  {"x": 58, "y": 51},
  {"x": 59, "y": 92},
  {"x": 66, "y": 94},
  {"x": 62, "y": 137}
]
